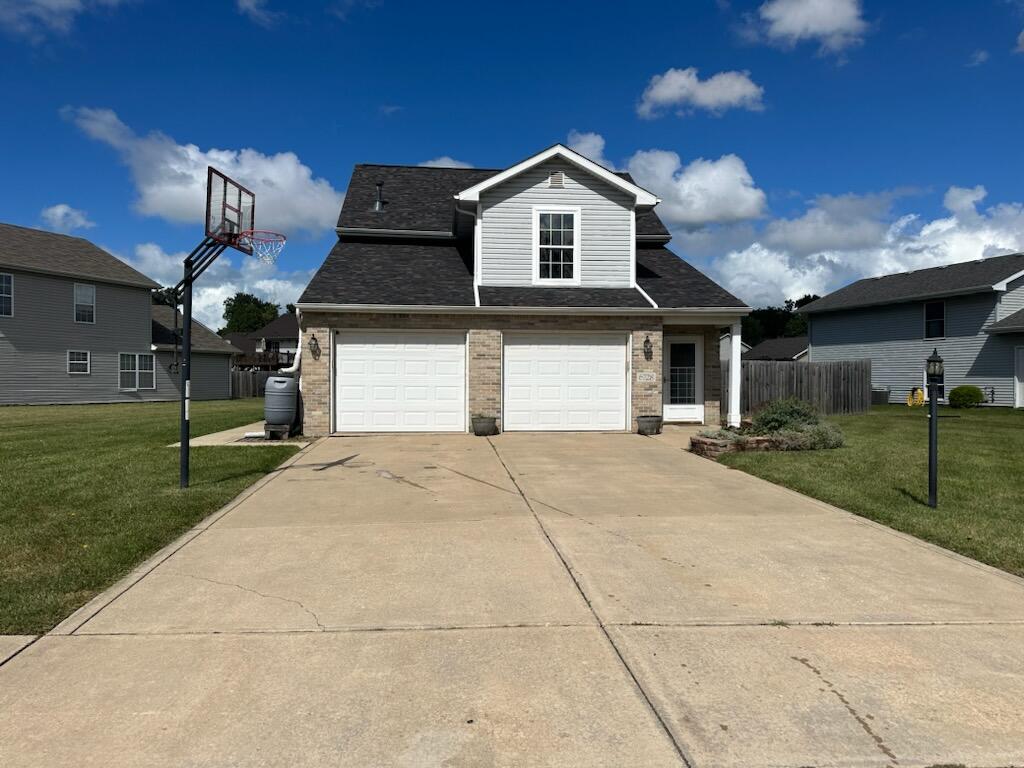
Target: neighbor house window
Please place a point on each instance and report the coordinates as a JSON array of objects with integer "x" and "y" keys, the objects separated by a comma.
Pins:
[
  {"x": 557, "y": 246},
  {"x": 85, "y": 303},
  {"x": 6, "y": 295},
  {"x": 136, "y": 372},
  {"x": 79, "y": 361},
  {"x": 934, "y": 319}
]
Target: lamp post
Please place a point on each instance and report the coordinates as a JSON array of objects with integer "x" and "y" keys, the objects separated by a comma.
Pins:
[{"x": 935, "y": 370}]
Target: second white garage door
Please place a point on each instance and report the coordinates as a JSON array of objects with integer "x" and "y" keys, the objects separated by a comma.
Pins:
[
  {"x": 564, "y": 381},
  {"x": 400, "y": 381}
]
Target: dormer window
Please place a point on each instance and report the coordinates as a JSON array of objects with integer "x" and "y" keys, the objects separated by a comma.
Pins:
[{"x": 556, "y": 245}]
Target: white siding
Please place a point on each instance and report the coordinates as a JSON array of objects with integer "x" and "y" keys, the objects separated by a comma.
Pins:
[
  {"x": 893, "y": 338},
  {"x": 1013, "y": 300},
  {"x": 506, "y": 251}
]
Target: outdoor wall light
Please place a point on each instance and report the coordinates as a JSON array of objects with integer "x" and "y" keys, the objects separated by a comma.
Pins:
[
  {"x": 314, "y": 347},
  {"x": 935, "y": 369},
  {"x": 648, "y": 349}
]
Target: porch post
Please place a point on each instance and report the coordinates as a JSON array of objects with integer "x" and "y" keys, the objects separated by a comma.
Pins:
[{"x": 735, "y": 364}]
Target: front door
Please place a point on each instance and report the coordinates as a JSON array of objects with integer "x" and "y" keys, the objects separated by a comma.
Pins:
[{"x": 683, "y": 379}]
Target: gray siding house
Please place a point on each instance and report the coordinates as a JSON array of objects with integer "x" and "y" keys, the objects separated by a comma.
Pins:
[
  {"x": 78, "y": 325},
  {"x": 972, "y": 312}
]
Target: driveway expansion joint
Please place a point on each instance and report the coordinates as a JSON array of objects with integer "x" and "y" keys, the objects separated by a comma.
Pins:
[{"x": 682, "y": 753}]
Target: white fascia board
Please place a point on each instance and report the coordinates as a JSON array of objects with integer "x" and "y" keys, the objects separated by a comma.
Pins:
[
  {"x": 643, "y": 197},
  {"x": 698, "y": 314},
  {"x": 1002, "y": 285}
]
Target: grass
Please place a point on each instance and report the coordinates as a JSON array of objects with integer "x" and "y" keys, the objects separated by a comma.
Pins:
[
  {"x": 882, "y": 474},
  {"x": 89, "y": 491}
]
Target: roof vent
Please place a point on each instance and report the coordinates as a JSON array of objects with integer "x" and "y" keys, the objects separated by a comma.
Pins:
[
  {"x": 378, "y": 206},
  {"x": 556, "y": 180}
]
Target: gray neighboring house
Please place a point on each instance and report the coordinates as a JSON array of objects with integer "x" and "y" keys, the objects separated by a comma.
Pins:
[
  {"x": 78, "y": 325},
  {"x": 784, "y": 348},
  {"x": 972, "y": 312}
]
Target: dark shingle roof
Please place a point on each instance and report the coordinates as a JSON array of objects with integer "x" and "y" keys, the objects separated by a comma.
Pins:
[
  {"x": 1010, "y": 324},
  {"x": 203, "y": 339},
  {"x": 950, "y": 280},
  {"x": 422, "y": 199},
  {"x": 243, "y": 341},
  {"x": 491, "y": 296},
  {"x": 284, "y": 326},
  {"x": 387, "y": 272},
  {"x": 671, "y": 282},
  {"x": 786, "y": 348},
  {"x": 34, "y": 250}
]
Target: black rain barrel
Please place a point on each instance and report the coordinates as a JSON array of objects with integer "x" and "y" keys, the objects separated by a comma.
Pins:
[{"x": 280, "y": 399}]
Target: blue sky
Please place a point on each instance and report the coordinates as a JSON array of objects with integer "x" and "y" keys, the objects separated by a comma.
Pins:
[{"x": 798, "y": 144}]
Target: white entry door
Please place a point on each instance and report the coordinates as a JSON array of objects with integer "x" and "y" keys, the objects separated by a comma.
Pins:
[
  {"x": 1019, "y": 382},
  {"x": 565, "y": 381},
  {"x": 683, "y": 378},
  {"x": 400, "y": 381}
]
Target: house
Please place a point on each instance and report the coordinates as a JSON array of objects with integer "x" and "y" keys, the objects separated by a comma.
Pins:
[
  {"x": 541, "y": 294},
  {"x": 272, "y": 347},
  {"x": 784, "y": 348},
  {"x": 78, "y": 325},
  {"x": 725, "y": 347},
  {"x": 972, "y": 312}
]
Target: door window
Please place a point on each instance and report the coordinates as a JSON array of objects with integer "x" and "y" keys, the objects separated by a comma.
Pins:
[{"x": 682, "y": 374}]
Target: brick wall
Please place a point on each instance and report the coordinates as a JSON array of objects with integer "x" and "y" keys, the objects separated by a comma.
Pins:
[{"x": 485, "y": 356}]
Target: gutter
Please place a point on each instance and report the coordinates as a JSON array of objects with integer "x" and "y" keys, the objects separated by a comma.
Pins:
[
  {"x": 506, "y": 310},
  {"x": 294, "y": 367}
]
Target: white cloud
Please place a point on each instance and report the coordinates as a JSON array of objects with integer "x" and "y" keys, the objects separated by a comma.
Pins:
[
  {"x": 703, "y": 192},
  {"x": 63, "y": 218},
  {"x": 222, "y": 280},
  {"x": 978, "y": 58},
  {"x": 590, "y": 145},
  {"x": 683, "y": 90},
  {"x": 258, "y": 12},
  {"x": 844, "y": 238},
  {"x": 1020, "y": 43},
  {"x": 171, "y": 177},
  {"x": 37, "y": 19},
  {"x": 833, "y": 24},
  {"x": 444, "y": 161}
]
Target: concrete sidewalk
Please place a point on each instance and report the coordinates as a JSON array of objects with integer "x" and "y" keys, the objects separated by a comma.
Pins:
[{"x": 563, "y": 600}]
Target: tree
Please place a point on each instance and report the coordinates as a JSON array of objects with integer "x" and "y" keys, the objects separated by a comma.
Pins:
[
  {"x": 289, "y": 308},
  {"x": 164, "y": 296},
  {"x": 774, "y": 322},
  {"x": 244, "y": 313}
]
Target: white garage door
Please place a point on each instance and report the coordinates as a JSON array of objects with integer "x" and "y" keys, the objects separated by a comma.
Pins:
[
  {"x": 400, "y": 381},
  {"x": 565, "y": 381}
]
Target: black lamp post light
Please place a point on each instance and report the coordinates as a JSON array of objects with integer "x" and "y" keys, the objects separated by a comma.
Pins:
[{"x": 935, "y": 370}]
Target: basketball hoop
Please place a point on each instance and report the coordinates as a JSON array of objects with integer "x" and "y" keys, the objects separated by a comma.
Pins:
[{"x": 263, "y": 244}]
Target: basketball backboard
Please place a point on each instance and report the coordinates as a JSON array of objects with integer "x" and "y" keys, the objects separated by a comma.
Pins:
[{"x": 230, "y": 210}]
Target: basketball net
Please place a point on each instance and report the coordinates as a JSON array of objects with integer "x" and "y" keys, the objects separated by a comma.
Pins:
[{"x": 265, "y": 245}]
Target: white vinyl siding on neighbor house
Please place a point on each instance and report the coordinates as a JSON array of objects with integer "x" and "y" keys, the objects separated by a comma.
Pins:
[
  {"x": 508, "y": 223},
  {"x": 6, "y": 294},
  {"x": 892, "y": 338},
  {"x": 1012, "y": 300}
]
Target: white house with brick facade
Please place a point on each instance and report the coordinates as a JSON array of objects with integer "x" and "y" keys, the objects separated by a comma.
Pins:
[{"x": 542, "y": 295}]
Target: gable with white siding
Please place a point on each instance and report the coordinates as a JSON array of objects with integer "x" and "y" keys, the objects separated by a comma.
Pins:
[{"x": 606, "y": 226}]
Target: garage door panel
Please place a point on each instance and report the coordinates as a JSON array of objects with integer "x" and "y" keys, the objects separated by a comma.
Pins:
[
  {"x": 399, "y": 381},
  {"x": 565, "y": 381}
]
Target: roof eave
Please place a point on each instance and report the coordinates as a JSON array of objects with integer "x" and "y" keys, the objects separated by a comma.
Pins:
[
  {"x": 145, "y": 282},
  {"x": 470, "y": 309},
  {"x": 809, "y": 308},
  {"x": 642, "y": 196}
]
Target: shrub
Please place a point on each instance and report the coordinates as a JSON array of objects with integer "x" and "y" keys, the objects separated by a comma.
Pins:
[
  {"x": 788, "y": 414},
  {"x": 721, "y": 434},
  {"x": 966, "y": 396},
  {"x": 809, "y": 437}
]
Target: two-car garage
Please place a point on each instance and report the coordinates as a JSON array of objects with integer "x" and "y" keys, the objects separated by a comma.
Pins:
[{"x": 416, "y": 381}]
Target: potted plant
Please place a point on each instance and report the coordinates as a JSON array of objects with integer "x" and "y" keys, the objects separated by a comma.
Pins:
[
  {"x": 485, "y": 425},
  {"x": 648, "y": 425}
]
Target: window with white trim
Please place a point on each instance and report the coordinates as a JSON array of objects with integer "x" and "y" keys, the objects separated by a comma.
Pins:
[
  {"x": 79, "y": 361},
  {"x": 6, "y": 295},
  {"x": 557, "y": 246},
  {"x": 85, "y": 303},
  {"x": 935, "y": 319},
  {"x": 136, "y": 371}
]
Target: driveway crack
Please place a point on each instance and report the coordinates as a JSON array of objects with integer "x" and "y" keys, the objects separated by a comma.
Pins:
[
  {"x": 861, "y": 720},
  {"x": 264, "y": 595}
]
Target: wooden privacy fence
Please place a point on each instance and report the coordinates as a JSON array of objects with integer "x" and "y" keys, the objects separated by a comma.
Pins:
[
  {"x": 843, "y": 386},
  {"x": 249, "y": 383}
]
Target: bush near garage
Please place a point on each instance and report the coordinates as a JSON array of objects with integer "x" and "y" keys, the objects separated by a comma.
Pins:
[
  {"x": 966, "y": 396},
  {"x": 785, "y": 425},
  {"x": 788, "y": 414}
]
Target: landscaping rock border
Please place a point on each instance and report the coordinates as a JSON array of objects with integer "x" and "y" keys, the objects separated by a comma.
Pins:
[{"x": 713, "y": 447}]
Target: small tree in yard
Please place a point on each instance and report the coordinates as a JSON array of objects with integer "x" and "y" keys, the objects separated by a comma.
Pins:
[{"x": 244, "y": 313}]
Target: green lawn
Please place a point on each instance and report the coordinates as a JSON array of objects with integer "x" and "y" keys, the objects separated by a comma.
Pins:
[
  {"x": 882, "y": 474},
  {"x": 89, "y": 491}
]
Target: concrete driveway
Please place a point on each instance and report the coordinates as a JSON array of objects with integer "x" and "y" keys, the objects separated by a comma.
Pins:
[{"x": 561, "y": 600}]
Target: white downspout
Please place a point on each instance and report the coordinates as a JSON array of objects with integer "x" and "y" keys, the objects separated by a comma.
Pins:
[{"x": 294, "y": 367}]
